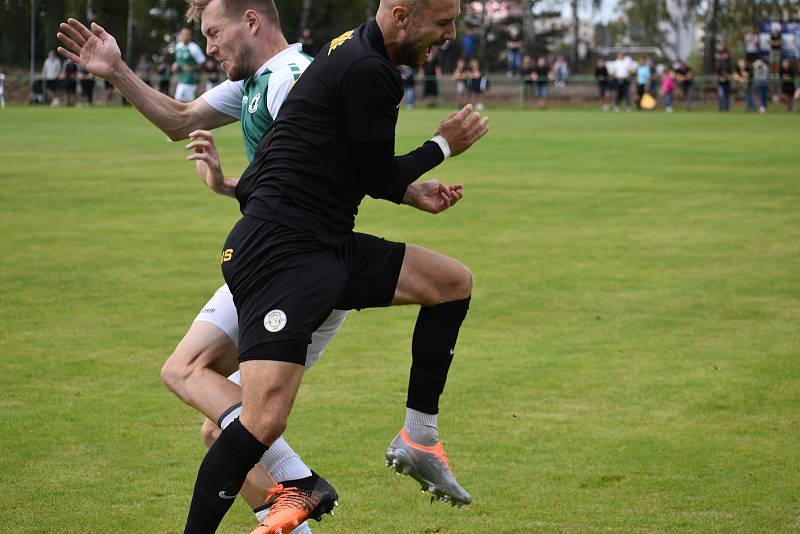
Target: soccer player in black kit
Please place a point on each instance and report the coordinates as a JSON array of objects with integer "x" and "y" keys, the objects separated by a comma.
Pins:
[{"x": 294, "y": 256}]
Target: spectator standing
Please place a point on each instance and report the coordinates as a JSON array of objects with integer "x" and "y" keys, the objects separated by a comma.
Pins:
[
  {"x": 787, "y": 75},
  {"x": 469, "y": 43},
  {"x": 685, "y": 78},
  {"x": 775, "y": 46},
  {"x": 751, "y": 46},
  {"x": 514, "y": 51},
  {"x": 642, "y": 81},
  {"x": 744, "y": 75},
  {"x": 188, "y": 59},
  {"x": 2, "y": 89},
  {"x": 164, "y": 76},
  {"x": 542, "y": 75},
  {"x": 621, "y": 70},
  {"x": 407, "y": 75},
  {"x": 50, "y": 72},
  {"x": 212, "y": 71},
  {"x": 307, "y": 42},
  {"x": 144, "y": 69},
  {"x": 477, "y": 84},
  {"x": 432, "y": 73},
  {"x": 724, "y": 73},
  {"x": 460, "y": 77},
  {"x": 87, "y": 82},
  {"x": 655, "y": 75},
  {"x": 560, "y": 71},
  {"x": 69, "y": 77},
  {"x": 760, "y": 77},
  {"x": 109, "y": 97},
  {"x": 603, "y": 81},
  {"x": 668, "y": 86}
]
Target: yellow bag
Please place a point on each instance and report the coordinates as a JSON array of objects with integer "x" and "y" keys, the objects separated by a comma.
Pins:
[{"x": 648, "y": 102}]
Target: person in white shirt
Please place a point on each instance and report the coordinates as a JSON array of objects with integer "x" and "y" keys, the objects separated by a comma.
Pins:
[
  {"x": 50, "y": 71},
  {"x": 621, "y": 70},
  {"x": 189, "y": 58},
  {"x": 2, "y": 89}
]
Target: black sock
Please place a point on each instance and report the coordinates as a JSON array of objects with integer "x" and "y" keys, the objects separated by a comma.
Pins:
[
  {"x": 432, "y": 350},
  {"x": 221, "y": 476}
]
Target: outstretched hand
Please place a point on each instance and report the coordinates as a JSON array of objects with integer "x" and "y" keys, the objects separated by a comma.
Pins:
[
  {"x": 433, "y": 196},
  {"x": 95, "y": 50},
  {"x": 463, "y": 128},
  {"x": 204, "y": 154}
]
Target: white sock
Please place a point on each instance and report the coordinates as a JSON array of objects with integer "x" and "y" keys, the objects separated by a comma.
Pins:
[
  {"x": 280, "y": 460},
  {"x": 261, "y": 512},
  {"x": 422, "y": 427}
]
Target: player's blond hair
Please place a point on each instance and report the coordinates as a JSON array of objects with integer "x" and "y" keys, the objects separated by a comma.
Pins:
[{"x": 265, "y": 7}]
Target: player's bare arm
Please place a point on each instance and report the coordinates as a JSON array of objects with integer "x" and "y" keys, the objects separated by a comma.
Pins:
[
  {"x": 204, "y": 154},
  {"x": 97, "y": 51}
]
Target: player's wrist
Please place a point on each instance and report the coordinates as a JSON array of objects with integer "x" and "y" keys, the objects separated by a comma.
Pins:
[{"x": 443, "y": 144}]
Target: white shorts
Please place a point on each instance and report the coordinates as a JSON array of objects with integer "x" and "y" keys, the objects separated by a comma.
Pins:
[
  {"x": 221, "y": 312},
  {"x": 185, "y": 92}
]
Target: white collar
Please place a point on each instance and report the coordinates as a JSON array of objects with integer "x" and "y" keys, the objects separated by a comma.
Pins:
[{"x": 278, "y": 59}]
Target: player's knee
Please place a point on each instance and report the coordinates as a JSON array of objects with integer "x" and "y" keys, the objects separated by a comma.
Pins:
[
  {"x": 459, "y": 284},
  {"x": 175, "y": 372},
  {"x": 209, "y": 432},
  {"x": 265, "y": 426}
]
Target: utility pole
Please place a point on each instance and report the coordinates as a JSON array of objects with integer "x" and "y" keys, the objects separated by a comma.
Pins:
[
  {"x": 129, "y": 37},
  {"x": 33, "y": 44},
  {"x": 89, "y": 11}
]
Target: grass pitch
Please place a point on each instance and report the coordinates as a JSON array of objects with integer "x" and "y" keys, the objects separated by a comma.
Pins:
[{"x": 631, "y": 362}]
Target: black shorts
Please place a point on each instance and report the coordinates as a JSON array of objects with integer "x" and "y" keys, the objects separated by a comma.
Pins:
[
  {"x": 285, "y": 284},
  {"x": 53, "y": 85},
  {"x": 431, "y": 88}
]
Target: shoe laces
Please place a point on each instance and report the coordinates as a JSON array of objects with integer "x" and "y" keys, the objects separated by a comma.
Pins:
[{"x": 284, "y": 498}]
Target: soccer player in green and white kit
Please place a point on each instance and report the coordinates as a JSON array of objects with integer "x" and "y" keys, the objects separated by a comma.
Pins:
[{"x": 188, "y": 60}]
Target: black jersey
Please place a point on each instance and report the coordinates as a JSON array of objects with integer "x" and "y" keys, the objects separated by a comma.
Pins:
[{"x": 333, "y": 142}]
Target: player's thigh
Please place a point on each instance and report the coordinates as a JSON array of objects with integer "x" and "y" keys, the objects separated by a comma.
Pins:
[
  {"x": 429, "y": 278},
  {"x": 211, "y": 340}
]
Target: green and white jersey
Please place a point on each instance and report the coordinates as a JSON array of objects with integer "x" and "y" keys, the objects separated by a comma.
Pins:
[
  {"x": 256, "y": 100},
  {"x": 191, "y": 55}
]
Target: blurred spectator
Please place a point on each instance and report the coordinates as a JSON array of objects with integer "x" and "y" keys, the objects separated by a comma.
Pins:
[
  {"x": 542, "y": 75},
  {"x": 744, "y": 75},
  {"x": 775, "y": 46},
  {"x": 760, "y": 77},
  {"x": 407, "y": 75},
  {"x": 685, "y": 78},
  {"x": 655, "y": 74},
  {"x": 109, "y": 97},
  {"x": 307, "y": 40},
  {"x": 69, "y": 75},
  {"x": 432, "y": 73},
  {"x": 164, "y": 76},
  {"x": 188, "y": 59},
  {"x": 603, "y": 81},
  {"x": 642, "y": 81},
  {"x": 50, "y": 72},
  {"x": 787, "y": 74},
  {"x": 751, "y": 45},
  {"x": 469, "y": 43},
  {"x": 477, "y": 83},
  {"x": 87, "y": 85},
  {"x": 144, "y": 69},
  {"x": 212, "y": 71},
  {"x": 514, "y": 50},
  {"x": 460, "y": 77},
  {"x": 621, "y": 70},
  {"x": 560, "y": 71},
  {"x": 724, "y": 73},
  {"x": 668, "y": 86},
  {"x": 2, "y": 88},
  {"x": 527, "y": 75}
]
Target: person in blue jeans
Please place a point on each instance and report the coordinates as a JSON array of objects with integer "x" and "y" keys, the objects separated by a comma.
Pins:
[
  {"x": 724, "y": 74},
  {"x": 760, "y": 77}
]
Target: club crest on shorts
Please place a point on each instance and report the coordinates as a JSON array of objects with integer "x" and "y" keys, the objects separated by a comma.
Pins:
[{"x": 274, "y": 321}]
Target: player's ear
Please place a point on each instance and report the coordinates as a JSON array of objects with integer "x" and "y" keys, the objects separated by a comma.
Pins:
[
  {"x": 401, "y": 16},
  {"x": 252, "y": 18}
]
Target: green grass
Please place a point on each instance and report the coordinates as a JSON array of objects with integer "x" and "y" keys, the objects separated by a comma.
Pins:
[{"x": 631, "y": 361}]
